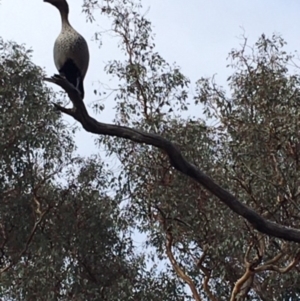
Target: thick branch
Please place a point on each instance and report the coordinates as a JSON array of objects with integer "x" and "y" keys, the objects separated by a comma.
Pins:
[{"x": 177, "y": 160}]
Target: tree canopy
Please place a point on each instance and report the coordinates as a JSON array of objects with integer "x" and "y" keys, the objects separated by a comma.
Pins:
[{"x": 217, "y": 201}]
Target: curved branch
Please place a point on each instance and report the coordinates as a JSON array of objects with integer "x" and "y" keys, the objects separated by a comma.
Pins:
[
  {"x": 178, "y": 269},
  {"x": 243, "y": 285},
  {"x": 207, "y": 289},
  {"x": 282, "y": 270},
  {"x": 79, "y": 112}
]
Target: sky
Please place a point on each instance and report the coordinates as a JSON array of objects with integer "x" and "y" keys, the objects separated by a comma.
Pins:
[{"x": 196, "y": 34}]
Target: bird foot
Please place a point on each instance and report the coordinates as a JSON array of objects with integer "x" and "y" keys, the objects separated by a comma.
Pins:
[
  {"x": 61, "y": 75},
  {"x": 61, "y": 80}
]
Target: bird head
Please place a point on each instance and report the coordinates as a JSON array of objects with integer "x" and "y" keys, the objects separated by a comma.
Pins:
[{"x": 62, "y": 5}]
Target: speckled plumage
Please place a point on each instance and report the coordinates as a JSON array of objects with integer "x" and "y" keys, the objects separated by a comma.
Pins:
[{"x": 71, "y": 54}]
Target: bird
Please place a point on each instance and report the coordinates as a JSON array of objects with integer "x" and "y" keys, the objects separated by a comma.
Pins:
[{"x": 71, "y": 53}]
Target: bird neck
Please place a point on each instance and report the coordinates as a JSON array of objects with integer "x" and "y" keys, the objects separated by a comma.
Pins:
[
  {"x": 64, "y": 13},
  {"x": 64, "y": 19}
]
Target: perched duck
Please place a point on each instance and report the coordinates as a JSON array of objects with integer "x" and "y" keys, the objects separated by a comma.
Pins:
[{"x": 71, "y": 53}]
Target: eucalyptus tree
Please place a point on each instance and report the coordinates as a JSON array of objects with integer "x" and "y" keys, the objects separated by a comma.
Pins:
[
  {"x": 252, "y": 150},
  {"x": 234, "y": 237},
  {"x": 62, "y": 234}
]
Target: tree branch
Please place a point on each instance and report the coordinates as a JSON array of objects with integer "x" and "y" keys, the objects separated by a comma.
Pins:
[
  {"x": 243, "y": 285},
  {"x": 179, "y": 271},
  {"x": 79, "y": 113}
]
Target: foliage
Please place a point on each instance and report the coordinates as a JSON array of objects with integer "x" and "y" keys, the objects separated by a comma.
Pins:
[
  {"x": 62, "y": 237},
  {"x": 67, "y": 223},
  {"x": 252, "y": 150}
]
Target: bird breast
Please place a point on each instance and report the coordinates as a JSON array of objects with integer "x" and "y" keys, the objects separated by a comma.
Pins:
[{"x": 71, "y": 45}]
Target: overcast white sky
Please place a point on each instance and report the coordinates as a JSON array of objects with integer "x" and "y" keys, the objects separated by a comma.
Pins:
[{"x": 196, "y": 34}]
